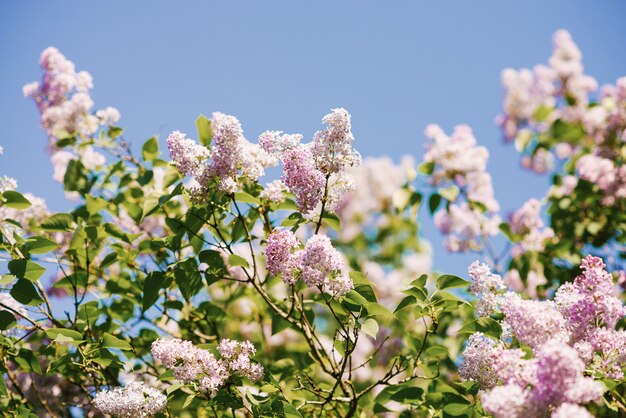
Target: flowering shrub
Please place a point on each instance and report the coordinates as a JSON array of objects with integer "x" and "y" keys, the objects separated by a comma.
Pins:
[{"x": 184, "y": 283}]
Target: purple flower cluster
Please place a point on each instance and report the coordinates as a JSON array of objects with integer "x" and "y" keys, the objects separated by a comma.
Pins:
[
  {"x": 567, "y": 337},
  {"x": 282, "y": 245},
  {"x": 303, "y": 178},
  {"x": 188, "y": 155},
  {"x": 318, "y": 264},
  {"x": 66, "y": 109},
  {"x": 230, "y": 159},
  {"x": 459, "y": 161},
  {"x": 316, "y": 170},
  {"x": 560, "y": 91},
  {"x": 527, "y": 223},
  {"x": 191, "y": 364}
]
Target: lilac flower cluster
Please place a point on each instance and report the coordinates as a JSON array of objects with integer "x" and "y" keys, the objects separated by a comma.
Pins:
[
  {"x": 603, "y": 172},
  {"x": 459, "y": 161},
  {"x": 377, "y": 181},
  {"x": 316, "y": 170},
  {"x": 230, "y": 159},
  {"x": 526, "y": 222},
  {"x": 191, "y": 364},
  {"x": 544, "y": 87},
  {"x": 274, "y": 192},
  {"x": 134, "y": 400},
  {"x": 568, "y": 336},
  {"x": 66, "y": 108},
  {"x": 318, "y": 264},
  {"x": 536, "y": 98}
]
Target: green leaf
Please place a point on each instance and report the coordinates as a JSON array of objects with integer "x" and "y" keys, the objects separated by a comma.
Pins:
[
  {"x": 7, "y": 319},
  {"x": 24, "y": 292},
  {"x": 375, "y": 309},
  {"x": 116, "y": 232},
  {"x": 95, "y": 204},
  {"x": 449, "y": 193},
  {"x": 25, "y": 269},
  {"x": 486, "y": 325},
  {"x": 237, "y": 261},
  {"x": 458, "y": 410},
  {"x": 15, "y": 200},
  {"x": 426, "y": 168},
  {"x": 115, "y": 131},
  {"x": 151, "y": 287},
  {"x": 370, "y": 327},
  {"x": 246, "y": 198},
  {"x": 150, "y": 149},
  {"x": 39, "y": 245},
  {"x": 407, "y": 301},
  {"x": 332, "y": 220},
  {"x": 433, "y": 202},
  {"x": 111, "y": 341},
  {"x": 189, "y": 282},
  {"x": 449, "y": 281},
  {"x": 69, "y": 333},
  {"x": 59, "y": 222},
  {"x": 420, "y": 282},
  {"x": 505, "y": 228},
  {"x": 205, "y": 134}
]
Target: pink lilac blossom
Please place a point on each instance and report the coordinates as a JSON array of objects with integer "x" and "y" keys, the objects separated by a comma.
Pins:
[
  {"x": 191, "y": 364},
  {"x": 377, "y": 181},
  {"x": 332, "y": 148},
  {"x": 508, "y": 401},
  {"x": 603, "y": 172},
  {"x": 479, "y": 358},
  {"x": 274, "y": 192},
  {"x": 527, "y": 223},
  {"x": 135, "y": 400},
  {"x": 188, "y": 155},
  {"x": 281, "y": 260},
  {"x": 303, "y": 178},
  {"x": 63, "y": 98},
  {"x": 322, "y": 264},
  {"x": 541, "y": 161},
  {"x": 568, "y": 337},
  {"x": 277, "y": 143},
  {"x": 534, "y": 322},
  {"x": 459, "y": 161},
  {"x": 465, "y": 227},
  {"x": 570, "y": 410}
]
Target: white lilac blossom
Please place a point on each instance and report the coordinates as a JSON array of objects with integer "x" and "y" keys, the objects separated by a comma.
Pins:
[
  {"x": 571, "y": 339},
  {"x": 135, "y": 400},
  {"x": 191, "y": 364},
  {"x": 274, "y": 192}
]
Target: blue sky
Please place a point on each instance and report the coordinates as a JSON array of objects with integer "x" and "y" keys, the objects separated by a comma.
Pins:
[{"x": 396, "y": 66}]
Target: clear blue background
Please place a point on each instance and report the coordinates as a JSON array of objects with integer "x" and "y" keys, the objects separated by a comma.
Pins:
[{"x": 396, "y": 66}]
